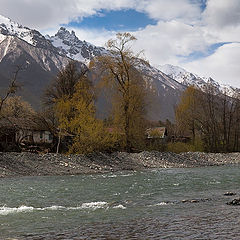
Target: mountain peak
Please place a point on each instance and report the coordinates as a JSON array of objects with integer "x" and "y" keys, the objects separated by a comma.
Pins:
[
  {"x": 4, "y": 20},
  {"x": 9, "y": 27},
  {"x": 31, "y": 36},
  {"x": 69, "y": 44},
  {"x": 64, "y": 34}
]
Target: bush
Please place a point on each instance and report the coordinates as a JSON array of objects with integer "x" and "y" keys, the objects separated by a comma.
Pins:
[{"x": 179, "y": 147}]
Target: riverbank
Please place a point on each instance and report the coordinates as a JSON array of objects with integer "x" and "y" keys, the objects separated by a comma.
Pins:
[{"x": 31, "y": 164}]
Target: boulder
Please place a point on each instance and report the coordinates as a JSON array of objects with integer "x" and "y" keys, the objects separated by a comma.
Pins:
[
  {"x": 229, "y": 194},
  {"x": 234, "y": 202}
]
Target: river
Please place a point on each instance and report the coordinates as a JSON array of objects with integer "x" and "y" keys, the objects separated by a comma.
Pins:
[{"x": 153, "y": 204}]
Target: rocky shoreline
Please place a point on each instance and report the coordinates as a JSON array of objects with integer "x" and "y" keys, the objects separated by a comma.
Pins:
[{"x": 31, "y": 164}]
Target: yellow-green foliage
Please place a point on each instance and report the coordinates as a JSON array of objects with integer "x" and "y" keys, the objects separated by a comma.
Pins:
[
  {"x": 17, "y": 108},
  {"x": 77, "y": 116},
  {"x": 198, "y": 145},
  {"x": 186, "y": 112},
  {"x": 127, "y": 86},
  {"x": 135, "y": 115},
  {"x": 179, "y": 147}
]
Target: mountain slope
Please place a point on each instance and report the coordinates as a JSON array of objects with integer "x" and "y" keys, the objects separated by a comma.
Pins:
[
  {"x": 40, "y": 66},
  {"x": 27, "y": 48},
  {"x": 166, "y": 92}
]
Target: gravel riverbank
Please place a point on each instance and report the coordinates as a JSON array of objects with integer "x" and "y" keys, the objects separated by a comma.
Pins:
[{"x": 31, "y": 164}]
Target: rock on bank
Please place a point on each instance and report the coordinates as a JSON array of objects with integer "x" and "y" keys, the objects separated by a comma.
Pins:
[{"x": 30, "y": 164}]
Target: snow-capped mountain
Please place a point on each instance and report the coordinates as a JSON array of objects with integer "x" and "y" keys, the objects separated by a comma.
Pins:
[
  {"x": 190, "y": 79},
  {"x": 152, "y": 73},
  {"x": 70, "y": 45},
  {"x": 165, "y": 91},
  {"x": 31, "y": 36}
]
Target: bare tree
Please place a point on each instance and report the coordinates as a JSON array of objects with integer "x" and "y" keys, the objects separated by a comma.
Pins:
[
  {"x": 64, "y": 83},
  {"x": 12, "y": 87}
]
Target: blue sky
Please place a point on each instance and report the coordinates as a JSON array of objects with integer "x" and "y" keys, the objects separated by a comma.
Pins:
[
  {"x": 196, "y": 55},
  {"x": 122, "y": 20}
]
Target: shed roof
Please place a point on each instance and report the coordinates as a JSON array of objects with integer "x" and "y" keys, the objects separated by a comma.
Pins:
[
  {"x": 32, "y": 123},
  {"x": 156, "y": 132}
]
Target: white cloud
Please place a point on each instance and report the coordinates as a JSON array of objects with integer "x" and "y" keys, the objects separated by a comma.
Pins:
[
  {"x": 222, "y": 13},
  {"x": 167, "y": 40},
  {"x": 183, "y": 10},
  {"x": 48, "y": 14},
  {"x": 222, "y": 66}
]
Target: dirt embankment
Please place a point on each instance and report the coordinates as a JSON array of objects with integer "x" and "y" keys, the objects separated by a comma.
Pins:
[{"x": 30, "y": 164}]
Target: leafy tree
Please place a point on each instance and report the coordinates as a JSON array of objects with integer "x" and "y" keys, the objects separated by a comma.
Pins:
[
  {"x": 76, "y": 116},
  {"x": 211, "y": 115},
  {"x": 187, "y": 112},
  {"x": 62, "y": 87},
  {"x": 128, "y": 100}
]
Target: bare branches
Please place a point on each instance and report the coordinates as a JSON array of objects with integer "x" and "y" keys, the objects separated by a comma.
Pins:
[
  {"x": 64, "y": 83},
  {"x": 13, "y": 86},
  {"x": 213, "y": 116}
]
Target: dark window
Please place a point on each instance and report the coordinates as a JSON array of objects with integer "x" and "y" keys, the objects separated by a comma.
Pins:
[{"x": 50, "y": 137}]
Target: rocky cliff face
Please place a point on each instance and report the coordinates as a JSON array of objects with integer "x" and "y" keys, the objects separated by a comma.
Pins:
[{"x": 69, "y": 45}]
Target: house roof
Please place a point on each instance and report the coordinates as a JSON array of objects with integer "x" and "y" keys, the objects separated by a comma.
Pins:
[
  {"x": 156, "y": 132},
  {"x": 32, "y": 123}
]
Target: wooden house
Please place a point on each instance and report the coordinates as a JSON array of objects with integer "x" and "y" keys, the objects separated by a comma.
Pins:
[{"x": 29, "y": 131}]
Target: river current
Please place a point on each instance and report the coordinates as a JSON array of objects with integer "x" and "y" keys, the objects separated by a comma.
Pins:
[{"x": 153, "y": 204}]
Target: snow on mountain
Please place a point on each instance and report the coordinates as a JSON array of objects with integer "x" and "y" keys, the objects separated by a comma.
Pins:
[
  {"x": 31, "y": 36},
  {"x": 190, "y": 79},
  {"x": 8, "y": 27},
  {"x": 182, "y": 76},
  {"x": 153, "y": 73},
  {"x": 69, "y": 45}
]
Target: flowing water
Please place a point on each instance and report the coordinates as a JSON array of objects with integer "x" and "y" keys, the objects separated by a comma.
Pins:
[{"x": 124, "y": 205}]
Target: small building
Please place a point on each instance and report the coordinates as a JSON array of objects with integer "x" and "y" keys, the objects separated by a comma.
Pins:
[
  {"x": 29, "y": 131},
  {"x": 156, "y": 137},
  {"x": 34, "y": 136},
  {"x": 156, "y": 133}
]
